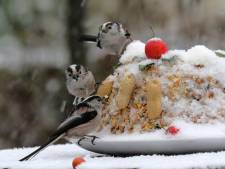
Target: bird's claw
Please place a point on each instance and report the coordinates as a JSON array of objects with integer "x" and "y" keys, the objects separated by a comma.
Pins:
[
  {"x": 93, "y": 139},
  {"x": 80, "y": 141},
  {"x": 85, "y": 137}
]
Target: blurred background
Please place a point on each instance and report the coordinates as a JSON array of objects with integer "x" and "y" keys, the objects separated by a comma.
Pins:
[{"x": 38, "y": 40}]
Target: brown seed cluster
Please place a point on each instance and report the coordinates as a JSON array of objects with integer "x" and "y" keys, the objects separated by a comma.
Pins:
[{"x": 126, "y": 121}]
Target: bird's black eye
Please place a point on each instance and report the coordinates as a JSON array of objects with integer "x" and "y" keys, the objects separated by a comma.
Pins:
[
  {"x": 69, "y": 70},
  {"x": 109, "y": 27},
  {"x": 70, "y": 74},
  {"x": 78, "y": 67}
]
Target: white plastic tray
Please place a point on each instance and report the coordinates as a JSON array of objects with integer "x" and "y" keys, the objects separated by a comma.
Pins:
[{"x": 169, "y": 146}]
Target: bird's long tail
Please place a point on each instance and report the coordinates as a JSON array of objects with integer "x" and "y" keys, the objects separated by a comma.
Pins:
[{"x": 42, "y": 147}]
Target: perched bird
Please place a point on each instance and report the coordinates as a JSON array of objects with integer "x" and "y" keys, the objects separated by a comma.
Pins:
[
  {"x": 80, "y": 82},
  {"x": 83, "y": 119},
  {"x": 111, "y": 36}
]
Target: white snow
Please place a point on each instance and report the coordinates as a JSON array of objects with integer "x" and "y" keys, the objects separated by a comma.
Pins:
[
  {"x": 201, "y": 160},
  {"x": 173, "y": 53},
  {"x": 61, "y": 156},
  {"x": 53, "y": 157},
  {"x": 187, "y": 130},
  {"x": 200, "y": 55},
  {"x": 135, "y": 50}
]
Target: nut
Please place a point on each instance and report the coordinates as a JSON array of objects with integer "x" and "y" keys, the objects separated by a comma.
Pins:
[{"x": 210, "y": 94}]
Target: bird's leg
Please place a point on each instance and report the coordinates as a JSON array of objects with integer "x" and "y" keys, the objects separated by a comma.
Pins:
[
  {"x": 86, "y": 136},
  {"x": 82, "y": 138},
  {"x": 93, "y": 138}
]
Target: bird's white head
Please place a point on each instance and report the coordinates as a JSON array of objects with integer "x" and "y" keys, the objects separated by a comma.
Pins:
[
  {"x": 111, "y": 34},
  {"x": 80, "y": 81},
  {"x": 75, "y": 72}
]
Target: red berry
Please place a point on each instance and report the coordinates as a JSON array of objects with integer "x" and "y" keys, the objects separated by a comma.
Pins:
[
  {"x": 77, "y": 161},
  {"x": 172, "y": 130},
  {"x": 154, "y": 48}
]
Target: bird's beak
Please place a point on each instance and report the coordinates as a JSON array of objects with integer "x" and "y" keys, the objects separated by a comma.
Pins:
[
  {"x": 127, "y": 34},
  {"x": 75, "y": 77}
]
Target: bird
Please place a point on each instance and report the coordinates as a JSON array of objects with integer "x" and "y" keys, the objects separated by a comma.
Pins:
[
  {"x": 83, "y": 119},
  {"x": 112, "y": 36},
  {"x": 80, "y": 82}
]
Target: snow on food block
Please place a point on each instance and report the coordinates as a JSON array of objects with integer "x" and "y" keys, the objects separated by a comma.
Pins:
[{"x": 146, "y": 95}]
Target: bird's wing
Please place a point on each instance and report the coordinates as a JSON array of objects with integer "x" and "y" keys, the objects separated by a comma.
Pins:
[
  {"x": 78, "y": 109},
  {"x": 69, "y": 123},
  {"x": 75, "y": 121}
]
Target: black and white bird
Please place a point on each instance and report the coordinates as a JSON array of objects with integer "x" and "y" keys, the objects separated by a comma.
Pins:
[
  {"x": 83, "y": 119},
  {"x": 112, "y": 36},
  {"x": 80, "y": 82}
]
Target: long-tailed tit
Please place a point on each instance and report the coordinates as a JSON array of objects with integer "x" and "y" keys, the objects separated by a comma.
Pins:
[
  {"x": 84, "y": 118},
  {"x": 111, "y": 36},
  {"x": 80, "y": 82}
]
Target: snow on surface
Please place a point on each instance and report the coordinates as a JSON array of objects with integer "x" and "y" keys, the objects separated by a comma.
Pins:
[
  {"x": 61, "y": 156},
  {"x": 53, "y": 157},
  {"x": 186, "y": 131},
  {"x": 200, "y": 55},
  {"x": 135, "y": 50},
  {"x": 173, "y": 53}
]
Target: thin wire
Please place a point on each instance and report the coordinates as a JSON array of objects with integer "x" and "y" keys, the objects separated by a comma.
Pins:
[
  {"x": 143, "y": 14},
  {"x": 153, "y": 33}
]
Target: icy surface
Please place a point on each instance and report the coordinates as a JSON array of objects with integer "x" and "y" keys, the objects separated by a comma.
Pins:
[{"x": 61, "y": 156}]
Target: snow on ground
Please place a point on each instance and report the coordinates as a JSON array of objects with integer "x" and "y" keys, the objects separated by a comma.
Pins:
[
  {"x": 61, "y": 156},
  {"x": 54, "y": 157}
]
